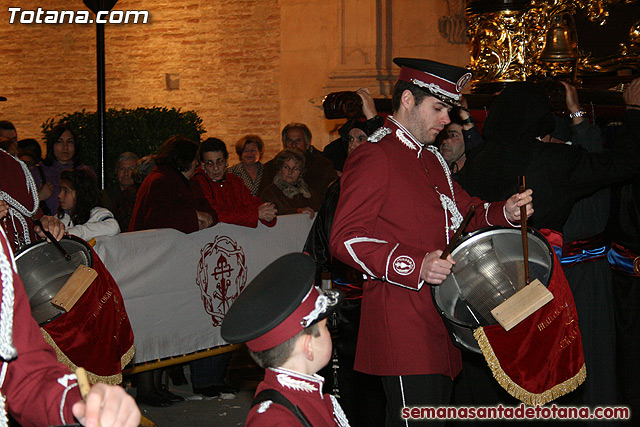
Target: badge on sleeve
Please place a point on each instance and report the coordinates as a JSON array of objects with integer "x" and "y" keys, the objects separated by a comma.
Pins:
[{"x": 403, "y": 265}]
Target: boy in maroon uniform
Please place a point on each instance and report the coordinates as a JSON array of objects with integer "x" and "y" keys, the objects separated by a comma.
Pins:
[{"x": 282, "y": 318}]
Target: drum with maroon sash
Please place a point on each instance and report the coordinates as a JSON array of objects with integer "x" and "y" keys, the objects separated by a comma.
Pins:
[{"x": 539, "y": 359}]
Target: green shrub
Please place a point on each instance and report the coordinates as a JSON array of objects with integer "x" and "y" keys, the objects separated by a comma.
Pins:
[{"x": 141, "y": 130}]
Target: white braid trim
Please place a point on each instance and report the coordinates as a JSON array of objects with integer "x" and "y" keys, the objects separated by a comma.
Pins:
[
  {"x": 16, "y": 209},
  {"x": 321, "y": 306},
  {"x": 405, "y": 140},
  {"x": 64, "y": 399},
  {"x": 486, "y": 213},
  {"x": 7, "y": 350},
  {"x": 338, "y": 414},
  {"x": 450, "y": 206},
  {"x": 434, "y": 88},
  {"x": 325, "y": 300},
  {"x": 378, "y": 134},
  {"x": 504, "y": 212},
  {"x": 4, "y": 421},
  {"x": 402, "y": 133}
]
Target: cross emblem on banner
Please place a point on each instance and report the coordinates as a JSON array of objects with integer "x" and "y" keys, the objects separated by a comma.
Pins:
[{"x": 222, "y": 268}]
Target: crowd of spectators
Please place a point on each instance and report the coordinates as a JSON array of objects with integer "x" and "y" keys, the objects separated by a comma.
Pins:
[{"x": 189, "y": 187}]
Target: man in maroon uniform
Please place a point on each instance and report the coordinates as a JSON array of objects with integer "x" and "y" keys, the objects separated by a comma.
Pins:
[{"x": 397, "y": 210}]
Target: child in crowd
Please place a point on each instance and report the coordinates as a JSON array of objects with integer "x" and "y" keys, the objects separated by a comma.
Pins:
[
  {"x": 282, "y": 318},
  {"x": 78, "y": 210}
]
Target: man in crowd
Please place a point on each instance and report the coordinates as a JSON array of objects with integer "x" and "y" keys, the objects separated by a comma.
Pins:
[
  {"x": 123, "y": 194},
  {"x": 398, "y": 209},
  {"x": 8, "y": 130},
  {"x": 125, "y": 165},
  {"x": 318, "y": 172},
  {"x": 457, "y": 138},
  {"x": 451, "y": 145}
]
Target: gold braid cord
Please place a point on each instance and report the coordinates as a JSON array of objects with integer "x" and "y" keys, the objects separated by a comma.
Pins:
[
  {"x": 93, "y": 378},
  {"x": 531, "y": 399}
]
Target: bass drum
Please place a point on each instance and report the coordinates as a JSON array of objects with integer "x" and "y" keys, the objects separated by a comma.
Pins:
[
  {"x": 489, "y": 269},
  {"x": 44, "y": 270}
]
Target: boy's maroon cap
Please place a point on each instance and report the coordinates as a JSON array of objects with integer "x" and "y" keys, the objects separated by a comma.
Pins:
[{"x": 278, "y": 303}]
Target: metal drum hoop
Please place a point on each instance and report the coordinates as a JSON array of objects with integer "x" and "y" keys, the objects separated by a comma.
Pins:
[
  {"x": 44, "y": 270},
  {"x": 461, "y": 331}
]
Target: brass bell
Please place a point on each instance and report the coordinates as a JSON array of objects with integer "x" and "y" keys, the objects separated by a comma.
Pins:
[{"x": 561, "y": 43}]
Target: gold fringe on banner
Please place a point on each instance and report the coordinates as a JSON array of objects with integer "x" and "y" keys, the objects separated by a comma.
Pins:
[
  {"x": 93, "y": 378},
  {"x": 531, "y": 399}
]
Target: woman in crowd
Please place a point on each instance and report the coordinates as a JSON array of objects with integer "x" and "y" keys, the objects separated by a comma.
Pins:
[
  {"x": 165, "y": 200},
  {"x": 78, "y": 206},
  {"x": 249, "y": 149},
  {"x": 63, "y": 152},
  {"x": 225, "y": 193},
  {"x": 288, "y": 191}
]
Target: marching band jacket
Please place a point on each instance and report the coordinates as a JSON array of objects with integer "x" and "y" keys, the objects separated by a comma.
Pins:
[
  {"x": 391, "y": 213},
  {"x": 38, "y": 390},
  {"x": 19, "y": 190},
  {"x": 303, "y": 391}
]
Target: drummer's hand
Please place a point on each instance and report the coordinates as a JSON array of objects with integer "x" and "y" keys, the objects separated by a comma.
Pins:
[
  {"x": 434, "y": 270},
  {"x": 53, "y": 225},
  {"x": 110, "y": 405},
  {"x": 513, "y": 203},
  {"x": 4, "y": 209}
]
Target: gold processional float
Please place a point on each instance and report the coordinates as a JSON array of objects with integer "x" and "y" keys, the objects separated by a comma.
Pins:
[{"x": 517, "y": 40}]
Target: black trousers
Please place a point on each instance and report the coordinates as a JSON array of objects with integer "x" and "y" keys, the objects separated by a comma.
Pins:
[{"x": 412, "y": 391}]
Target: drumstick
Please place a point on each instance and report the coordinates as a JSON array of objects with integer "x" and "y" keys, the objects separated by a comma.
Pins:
[
  {"x": 51, "y": 238},
  {"x": 83, "y": 384},
  {"x": 459, "y": 231},
  {"x": 525, "y": 239}
]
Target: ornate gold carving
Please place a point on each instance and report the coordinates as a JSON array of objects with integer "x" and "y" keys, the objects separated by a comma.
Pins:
[{"x": 505, "y": 44}]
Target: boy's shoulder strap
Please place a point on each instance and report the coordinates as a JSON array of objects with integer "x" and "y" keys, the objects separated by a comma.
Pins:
[{"x": 276, "y": 397}]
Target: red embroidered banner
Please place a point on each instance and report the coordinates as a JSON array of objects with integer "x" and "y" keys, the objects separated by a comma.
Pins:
[
  {"x": 95, "y": 334},
  {"x": 541, "y": 358}
]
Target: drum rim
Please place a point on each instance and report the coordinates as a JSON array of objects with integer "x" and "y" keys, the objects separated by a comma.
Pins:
[
  {"x": 469, "y": 236},
  {"x": 24, "y": 249}
]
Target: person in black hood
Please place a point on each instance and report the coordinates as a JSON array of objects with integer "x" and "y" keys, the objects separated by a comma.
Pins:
[{"x": 559, "y": 174}]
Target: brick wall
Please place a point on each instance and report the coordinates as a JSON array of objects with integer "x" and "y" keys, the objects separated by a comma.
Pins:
[
  {"x": 246, "y": 66},
  {"x": 226, "y": 54}
]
